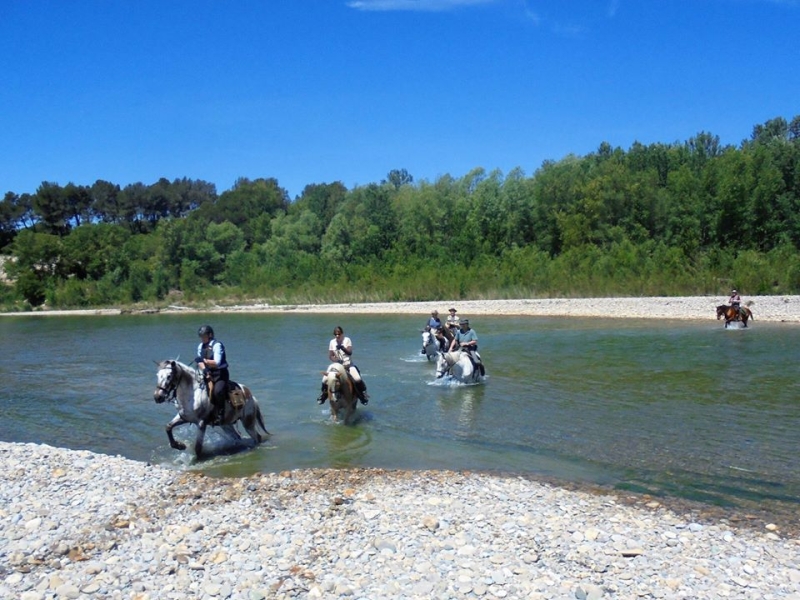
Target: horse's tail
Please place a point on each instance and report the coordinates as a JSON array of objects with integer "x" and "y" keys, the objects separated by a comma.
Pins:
[
  {"x": 256, "y": 409},
  {"x": 259, "y": 418},
  {"x": 261, "y": 421}
]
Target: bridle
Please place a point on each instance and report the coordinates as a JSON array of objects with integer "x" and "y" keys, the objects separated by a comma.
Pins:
[
  {"x": 170, "y": 390},
  {"x": 447, "y": 366}
]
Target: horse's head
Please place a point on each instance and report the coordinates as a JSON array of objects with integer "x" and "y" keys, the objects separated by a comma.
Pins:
[
  {"x": 427, "y": 338},
  {"x": 333, "y": 378},
  {"x": 166, "y": 381},
  {"x": 442, "y": 365},
  {"x": 721, "y": 309}
]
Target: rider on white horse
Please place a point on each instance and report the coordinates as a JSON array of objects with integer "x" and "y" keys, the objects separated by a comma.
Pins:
[
  {"x": 212, "y": 361},
  {"x": 433, "y": 325},
  {"x": 467, "y": 341},
  {"x": 340, "y": 349}
]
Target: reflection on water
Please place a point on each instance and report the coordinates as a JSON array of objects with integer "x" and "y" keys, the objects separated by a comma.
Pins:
[{"x": 675, "y": 408}]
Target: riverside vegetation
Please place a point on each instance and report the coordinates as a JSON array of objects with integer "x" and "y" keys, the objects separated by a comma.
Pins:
[{"x": 666, "y": 219}]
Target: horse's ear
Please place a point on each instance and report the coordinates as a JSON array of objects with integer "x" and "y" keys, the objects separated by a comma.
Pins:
[{"x": 324, "y": 372}]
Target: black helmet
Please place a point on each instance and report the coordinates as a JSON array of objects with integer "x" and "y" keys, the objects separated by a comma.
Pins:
[{"x": 206, "y": 330}]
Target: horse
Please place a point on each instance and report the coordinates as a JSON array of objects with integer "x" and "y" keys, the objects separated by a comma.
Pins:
[
  {"x": 430, "y": 345},
  {"x": 185, "y": 387},
  {"x": 731, "y": 314},
  {"x": 341, "y": 392},
  {"x": 458, "y": 365}
]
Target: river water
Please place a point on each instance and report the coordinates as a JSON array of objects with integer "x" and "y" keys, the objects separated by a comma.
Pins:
[{"x": 670, "y": 408}]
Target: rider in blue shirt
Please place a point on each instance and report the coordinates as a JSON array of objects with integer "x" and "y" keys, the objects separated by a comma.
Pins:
[
  {"x": 467, "y": 341},
  {"x": 434, "y": 322},
  {"x": 212, "y": 361},
  {"x": 465, "y": 338}
]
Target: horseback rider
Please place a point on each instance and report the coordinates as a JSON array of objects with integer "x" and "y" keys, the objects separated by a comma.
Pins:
[
  {"x": 340, "y": 349},
  {"x": 211, "y": 360},
  {"x": 467, "y": 341},
  {"x": 434, "y": 325},
  {"x": 452, "y": 320},
  {"x": 736, "y": 303}
]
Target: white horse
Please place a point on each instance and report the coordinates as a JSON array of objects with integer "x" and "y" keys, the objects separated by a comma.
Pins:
[
  {"x": 183, "y": 385},
  {"x": 429, "y": 344},
  {"x": 341, "y": 392},
  {"x": 459, "y": 366}
]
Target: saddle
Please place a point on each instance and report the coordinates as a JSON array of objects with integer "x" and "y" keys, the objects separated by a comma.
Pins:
[{"x": 235, "y": 395}]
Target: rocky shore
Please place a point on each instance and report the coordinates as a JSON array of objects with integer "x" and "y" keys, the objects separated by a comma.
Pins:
[
  {"x": 81, "y": 525},
  {"x": 765, "y": 308}
]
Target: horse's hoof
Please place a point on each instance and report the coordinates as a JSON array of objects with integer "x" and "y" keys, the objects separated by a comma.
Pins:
[{"x": 179, "y": 446}]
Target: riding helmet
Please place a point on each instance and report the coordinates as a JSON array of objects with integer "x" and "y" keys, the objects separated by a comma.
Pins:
[{"x": 206, "y": 330}]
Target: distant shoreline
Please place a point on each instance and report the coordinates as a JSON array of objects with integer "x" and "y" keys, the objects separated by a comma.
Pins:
[{"x": 784, "y": 308}]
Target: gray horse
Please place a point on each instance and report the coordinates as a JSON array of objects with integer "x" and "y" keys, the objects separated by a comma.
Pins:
[{"x": 183, "y": 385}]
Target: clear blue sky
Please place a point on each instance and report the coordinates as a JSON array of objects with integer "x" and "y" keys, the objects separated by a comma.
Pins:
[{"x": 316, "y": 91}]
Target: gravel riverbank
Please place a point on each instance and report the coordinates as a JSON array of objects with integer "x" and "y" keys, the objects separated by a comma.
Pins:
[
  {"x": 81, "y": 525},
  {"x": 765, "y": 308}
]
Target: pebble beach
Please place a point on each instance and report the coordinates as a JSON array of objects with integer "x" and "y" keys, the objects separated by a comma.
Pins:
[{"x": 74, "y": 524}]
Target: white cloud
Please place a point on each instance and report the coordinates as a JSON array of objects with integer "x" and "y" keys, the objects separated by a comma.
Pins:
[{"x": 414, "y": 5}]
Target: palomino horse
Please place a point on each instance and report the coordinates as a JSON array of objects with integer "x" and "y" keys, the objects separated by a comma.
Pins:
[
  {"x": 183, "y": 385},
  {"x": 731, "y": 314},
  {"x": 341, "y": 392},
  {"x": 429, "y": 343},
  {"x": 459, "y": 366}
]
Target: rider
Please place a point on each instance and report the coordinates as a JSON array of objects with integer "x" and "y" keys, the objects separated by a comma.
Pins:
[
  {"x": 433, "y": 325},
  {"x": 452, "y": 320},
  {"x": 736, "y": 303},
  {"x": 340, "y": 349},
  {"x": 212, "y": 361},
  {"x": 465, "y": 338}
]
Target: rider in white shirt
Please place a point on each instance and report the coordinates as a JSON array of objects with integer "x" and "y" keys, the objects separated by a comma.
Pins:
[{"x": 340, "y": 349}]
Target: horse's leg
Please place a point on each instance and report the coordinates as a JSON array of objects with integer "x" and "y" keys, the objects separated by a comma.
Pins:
[
  {"x": 170, "y": 426},
  {"x": 231, "y": 430},
  {"x": 334, "y": 404},
  {"x": 198, "y": 442}
]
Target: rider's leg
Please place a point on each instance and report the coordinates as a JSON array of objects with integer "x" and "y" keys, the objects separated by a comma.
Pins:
[
  {"x": 361, "y": 387},
  {"x": 218, "y": 397}
]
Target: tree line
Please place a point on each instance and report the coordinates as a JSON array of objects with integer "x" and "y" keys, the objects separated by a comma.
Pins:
[{"x": 693, "y": 217}]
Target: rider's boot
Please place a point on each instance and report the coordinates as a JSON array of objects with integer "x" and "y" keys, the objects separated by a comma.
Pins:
[
  {"x": 361, "y": 392},
  {"x": 324, "y": 394}
]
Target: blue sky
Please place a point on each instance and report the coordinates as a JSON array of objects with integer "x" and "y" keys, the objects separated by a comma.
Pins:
[{"x": 316, "y": 91}]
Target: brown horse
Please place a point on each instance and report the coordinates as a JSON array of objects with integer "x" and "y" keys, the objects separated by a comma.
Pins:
[
  {"x": 444, "y": 336},
  {"x": 341, "y": 392},
  {"x": 731, "y": 314}
]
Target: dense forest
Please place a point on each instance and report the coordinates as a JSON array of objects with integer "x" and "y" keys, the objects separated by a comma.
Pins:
[{"x": 687, "y": 218}]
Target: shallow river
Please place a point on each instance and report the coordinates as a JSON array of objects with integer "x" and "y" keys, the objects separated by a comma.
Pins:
[{"x": 675, "y": 408}]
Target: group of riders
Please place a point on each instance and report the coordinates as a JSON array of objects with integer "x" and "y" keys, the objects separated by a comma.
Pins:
[
  {"x": 454, "y": 334},
  {"x": 212, "y": 361}
]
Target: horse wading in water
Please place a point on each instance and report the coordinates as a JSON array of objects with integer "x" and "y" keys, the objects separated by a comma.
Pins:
[
  {"x": 183, "y": 385},
  {"x": 459, "y": 366},
  {"x": 341, "y": 392},
  {"x": 731, "y": 314},
  {"x": 430, "y": 344}
]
